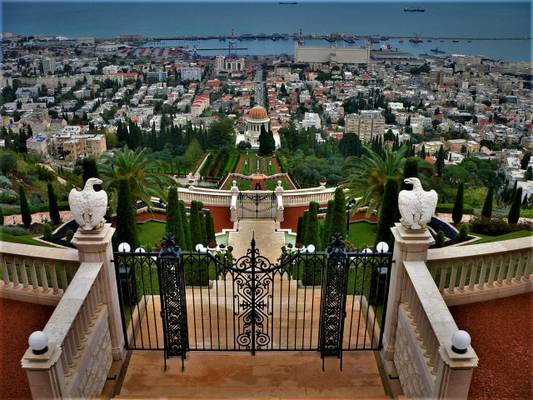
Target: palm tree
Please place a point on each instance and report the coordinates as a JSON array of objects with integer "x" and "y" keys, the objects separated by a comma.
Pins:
[
  {"x": 370, "y": 172},
  {"x": 139, "y": 169}
]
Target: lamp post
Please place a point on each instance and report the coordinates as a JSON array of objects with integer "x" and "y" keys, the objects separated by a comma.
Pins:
[{"x": 349, "y": 207}]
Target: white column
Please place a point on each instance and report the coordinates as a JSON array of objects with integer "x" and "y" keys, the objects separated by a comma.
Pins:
[
  {"x": 45, "y": 373},
  {"x": 454, "y": 374},
  {"x": 95, "y": 246},
  {"x": 409, "y": 245}
]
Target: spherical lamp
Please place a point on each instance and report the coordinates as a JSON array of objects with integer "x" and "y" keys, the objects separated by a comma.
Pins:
[
  {"x": 124, "y": 247},
  {"x": 311, "y": 248},
  {"x": 460, "y": 342},
  {"x": 382, "y": 247},
  {"x": 38, "y": 342},
  {"x": 140, "y": 250}
]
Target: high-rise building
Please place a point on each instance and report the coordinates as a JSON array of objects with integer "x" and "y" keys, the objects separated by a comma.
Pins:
[{"x": 367, "y": 124}]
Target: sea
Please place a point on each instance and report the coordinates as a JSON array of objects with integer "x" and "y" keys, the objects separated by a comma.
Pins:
[{"x": 102, "y": 19}]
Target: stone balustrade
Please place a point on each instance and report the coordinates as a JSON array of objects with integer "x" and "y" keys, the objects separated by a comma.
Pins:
[
  {"x": 79, "y": 353},
  {"x": 209, "y": 197},
  {"x": 426, "y": 364},
  {"x": 302, "y": 197},
  {"x": 483, "y": 271},
  {"x": 36, "y": 274}
]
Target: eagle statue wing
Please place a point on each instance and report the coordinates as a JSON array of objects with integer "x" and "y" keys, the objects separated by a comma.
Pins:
[
  {"x": 407, "y": 207},
  {"x": 430, "y": 200},
  {"x": 99, "y": 206}
]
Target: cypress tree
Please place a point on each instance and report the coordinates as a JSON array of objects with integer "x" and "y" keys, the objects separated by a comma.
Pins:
[
  {"x": 266, "y": 141},
  {"x": 514, "y": 212},
  {"x": 423, "y": 152},
  {"x": 24, "y": 208},
  {"x": 410, "y": 170},
  {"x": 327, "y": 224},
  {"x": 457, "y": 214},
  {"x": 338, "y": 222},
  {"x": 187, "y": 244},
  {"x": 90, "y": 170},
  {"x": 174, "y": 223},
  {"x": 305, "y": 222},
  {"x": 299, "y": 229},
  {"x": 196, "y": 224},
  {"x": 1, "y": 216},
  {"x": 487, "y": 205},
  {"x": 52, "y": 205},
  {"x": 312, "y": 231},
  {"x": 388, "y": 215},
  {"x": 440, "y": 161},
  {"x": 209, "y": 227},
  {"x": 126, "y": 225},
  {"x": 525, "y": 201}
]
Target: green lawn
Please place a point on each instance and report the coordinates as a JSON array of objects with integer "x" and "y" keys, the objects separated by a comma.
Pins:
[
  {"x": 23, "y": 239},
  {"x": 362, "y": 234},
  {"x": 150, "y": 233},
  {"x": 507, "y": 236}
]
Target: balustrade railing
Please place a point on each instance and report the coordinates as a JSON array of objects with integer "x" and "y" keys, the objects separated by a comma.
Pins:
[
  {"x": 37, "y": 273},
  {"x": 483, "y": 267},
  {"x": 79, "y": 354},
  {"x": 425, "y": 329}
]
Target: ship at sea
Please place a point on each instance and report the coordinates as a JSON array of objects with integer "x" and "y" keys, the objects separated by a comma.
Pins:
[
  {"x": 414, "y": 10},
  {"x": 436, "y": 50}
]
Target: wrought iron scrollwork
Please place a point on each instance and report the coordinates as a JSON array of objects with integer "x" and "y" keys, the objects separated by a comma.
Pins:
[
  {"x": 173, "y": 299},
  {"x": 333, "y": 302}
]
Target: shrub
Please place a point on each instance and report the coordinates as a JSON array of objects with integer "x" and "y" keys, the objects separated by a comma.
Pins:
[
  {"x": 69, "y": 235},
  {"x": 312, "y": 271},
  {"x": 196, "y": 271},
  {"x": 440, "y": 239},
  {"x": 47, "y": 232},
  {"x": 495, "y": 226},
  {"x": 463, "y": 232}
]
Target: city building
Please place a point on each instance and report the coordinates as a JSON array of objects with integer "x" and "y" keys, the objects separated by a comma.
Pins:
[
  {"x": 191, "y": 73},
  {"x": 223, "y": 64},
  {"x": 38, "y": 145},
  {"x": 319, "y": 55},
  {"x": 256, "y": 119},
  {"x": 367, "y": 124}
]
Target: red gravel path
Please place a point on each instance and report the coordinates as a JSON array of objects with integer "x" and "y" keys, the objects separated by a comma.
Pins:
[
  {"x": 17, "y": 321},
  {"x": 502, "y": 336}
]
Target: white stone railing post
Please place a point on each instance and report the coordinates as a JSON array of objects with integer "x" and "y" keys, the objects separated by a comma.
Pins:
[
  {"x": 409, "y": 245},
  {"x": 46, "y": 377},
  {"x": 279, "y": 203},
  {"x": 454, "y": 374},
  {"x": 96, "y": 246},
  {"x": 233, "y": 204}
]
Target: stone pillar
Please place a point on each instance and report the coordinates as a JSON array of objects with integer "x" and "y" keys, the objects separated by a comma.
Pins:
[
  {"x": 45, "y": 373},
  {"x": 279, "y": 203},
  {"x": 454, "y": 373},
  {"x": 95, "y": 246},
  {"x": 233, "y": 204},
  {"x": 409, "y": 245}
]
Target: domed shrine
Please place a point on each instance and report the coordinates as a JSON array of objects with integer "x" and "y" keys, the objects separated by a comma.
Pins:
[{"x": 256, "y": 118}]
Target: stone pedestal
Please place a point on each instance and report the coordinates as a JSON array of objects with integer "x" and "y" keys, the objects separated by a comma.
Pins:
[
  {"x": 95, "y": 246},
  {"x": 45, "y": 374},
  {"x": 409, "y": 245}
]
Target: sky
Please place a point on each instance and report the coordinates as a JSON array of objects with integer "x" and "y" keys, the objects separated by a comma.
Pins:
[{"x": 267, "y": 1}]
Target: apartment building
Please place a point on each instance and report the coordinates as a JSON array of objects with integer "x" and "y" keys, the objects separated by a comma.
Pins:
[{"x": 367, "y": 124}]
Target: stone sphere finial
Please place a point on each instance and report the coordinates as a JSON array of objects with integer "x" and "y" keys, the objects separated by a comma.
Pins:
[
  {"x": 38, "y": 342},
  {"x": 460, "y": 342}
]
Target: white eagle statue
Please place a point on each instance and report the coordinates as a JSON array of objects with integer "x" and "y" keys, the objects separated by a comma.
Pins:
[
  {"x": 88, "y": 206},
  {"x": 416, "y": 206}
]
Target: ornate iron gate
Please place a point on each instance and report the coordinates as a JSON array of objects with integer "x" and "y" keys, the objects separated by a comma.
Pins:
[
  {"x": 330, "y": 301},
  {"x": 257, "y": 205}
]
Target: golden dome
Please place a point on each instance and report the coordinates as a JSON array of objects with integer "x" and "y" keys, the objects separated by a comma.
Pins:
[{"x": 257, "y": 113}]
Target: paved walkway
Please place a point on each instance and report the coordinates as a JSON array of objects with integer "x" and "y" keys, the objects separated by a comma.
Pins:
[
  {"x": 239, "y": 375},
  {"x": 36, "y": 217},
  {"x": 268, "y": 241}
]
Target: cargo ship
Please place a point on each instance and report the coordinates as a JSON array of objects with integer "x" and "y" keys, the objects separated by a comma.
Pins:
[{"x": 414, "y": 10}]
